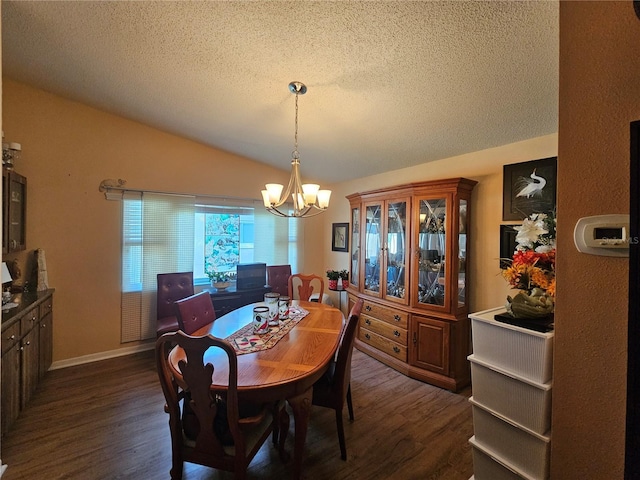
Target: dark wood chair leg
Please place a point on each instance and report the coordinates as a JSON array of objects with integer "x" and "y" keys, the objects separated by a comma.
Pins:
[
  {"x": 349, "y": 404},
  {"x": 343, "y": 447},
  {"x": 283, "y": 421}
]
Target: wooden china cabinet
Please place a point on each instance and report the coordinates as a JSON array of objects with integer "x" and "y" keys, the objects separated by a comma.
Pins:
[{"x": 409, "y": 253}]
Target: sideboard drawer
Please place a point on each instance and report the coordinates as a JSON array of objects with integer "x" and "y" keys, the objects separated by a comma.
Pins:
[
  {"x": 46, "y": 308},
  {"x": 392, "y": 332},
  {"x": 10, "y": 336},
  {"x": 389, "y": 315},
  {"x": 383, "y": 344},
  {"x": 29, "y": 320}
]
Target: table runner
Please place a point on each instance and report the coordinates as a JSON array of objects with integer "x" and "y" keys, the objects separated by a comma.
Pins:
[{"x": 245, "y": 341}]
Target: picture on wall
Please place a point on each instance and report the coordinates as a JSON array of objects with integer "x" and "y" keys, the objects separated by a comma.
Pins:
[
  {"x": 507, "y": 244},
  {"x": 340, "y": 237},
  {"x": 529, "y": 187}
]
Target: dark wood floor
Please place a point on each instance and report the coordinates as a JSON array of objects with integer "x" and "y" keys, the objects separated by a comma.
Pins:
[{"x": 105, "y": 420}]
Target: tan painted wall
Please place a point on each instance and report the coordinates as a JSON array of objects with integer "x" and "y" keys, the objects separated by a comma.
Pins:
[
  {"x": 599, "y": 97},
  {"x": 68, "y": 149}
]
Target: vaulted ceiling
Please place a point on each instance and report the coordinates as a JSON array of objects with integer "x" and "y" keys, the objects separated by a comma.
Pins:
[{"x": 390, "y": 83}]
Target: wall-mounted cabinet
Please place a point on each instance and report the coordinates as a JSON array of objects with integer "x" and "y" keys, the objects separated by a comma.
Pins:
[
  {"x": 409, "y": 263},
  {"x": 14, "y": 211}
]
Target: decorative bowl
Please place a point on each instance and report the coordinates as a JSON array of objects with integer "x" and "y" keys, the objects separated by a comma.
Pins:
[{"x": 221, "y": 285}]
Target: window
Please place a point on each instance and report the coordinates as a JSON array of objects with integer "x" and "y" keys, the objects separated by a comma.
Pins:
[
  {"x": 223, "y": 238},
  {"x": 176, "y": 233}
]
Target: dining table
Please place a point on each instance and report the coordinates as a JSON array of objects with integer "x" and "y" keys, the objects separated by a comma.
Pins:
[{"x": 285, "y": 371}]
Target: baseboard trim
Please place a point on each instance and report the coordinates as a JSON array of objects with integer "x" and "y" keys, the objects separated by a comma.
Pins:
[{"x": 95, "y": 357}]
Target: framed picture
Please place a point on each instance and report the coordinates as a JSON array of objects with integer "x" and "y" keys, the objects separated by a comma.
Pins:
[
  {"x": 529, "y": 187},
  {"x": 507, "y": 244},
  {"x": 340, "y": 237}
]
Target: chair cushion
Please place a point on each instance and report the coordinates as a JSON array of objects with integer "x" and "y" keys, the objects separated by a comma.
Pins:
[
  {"x": 191, "y": 426},
  {"x": 166, "y": 325},
  {"x": 326, "y": 299}
]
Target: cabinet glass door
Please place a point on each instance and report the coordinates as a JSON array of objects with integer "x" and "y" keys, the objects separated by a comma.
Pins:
[
  {"x": 396, "y": 249},
  {"x": 355, "y": 247},
  {"x": 462, "y": 254},
  {"x": 372, "y": 244},
  {"x": 431, "y": 252}
]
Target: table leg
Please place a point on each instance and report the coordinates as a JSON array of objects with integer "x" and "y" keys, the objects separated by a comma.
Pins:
[{"x": 301, "y": 406}]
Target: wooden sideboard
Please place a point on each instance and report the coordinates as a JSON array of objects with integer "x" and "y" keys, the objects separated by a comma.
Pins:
[
  {"x": 27, "y": 351},
  {"x": 229, "y": 299}
]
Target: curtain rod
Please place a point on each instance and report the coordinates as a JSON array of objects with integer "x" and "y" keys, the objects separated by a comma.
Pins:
[{"x": 108, "y": 185}]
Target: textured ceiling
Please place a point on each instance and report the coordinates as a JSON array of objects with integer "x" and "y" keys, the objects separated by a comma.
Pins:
[{"x": 390, "y": 84}]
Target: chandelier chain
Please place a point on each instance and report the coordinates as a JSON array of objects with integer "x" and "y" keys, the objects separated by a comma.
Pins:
[{"x": 295, "y": 153}]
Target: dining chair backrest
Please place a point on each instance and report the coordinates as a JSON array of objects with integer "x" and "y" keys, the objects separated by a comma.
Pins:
[
  {"x": 194, "y": 312},
  {"x": 231, "y": 441},
  {"x": 334, "y": 387},
  {"x": 278, "y": 278},
  {"x": 302, "y": 286},
  {"x": 342, "y": 374},
  {"x": 171, "y": 287}
]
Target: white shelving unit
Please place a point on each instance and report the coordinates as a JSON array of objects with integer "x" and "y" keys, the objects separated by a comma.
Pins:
[{"x": 511, "y": 376}]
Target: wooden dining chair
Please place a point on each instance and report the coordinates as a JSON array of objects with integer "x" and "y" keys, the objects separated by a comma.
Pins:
[
  {"x": 194, "y": 312},
  {"x": 235, "y": 431},
  {"x": 278, "y": 278},
  {"x": 335, "y": 385},
  {"x": 302, "y": 287},
  {"x": 171, "y": 287}
]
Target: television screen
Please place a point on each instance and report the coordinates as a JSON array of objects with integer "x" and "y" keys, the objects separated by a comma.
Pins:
[{"x": 251, "y": 275}]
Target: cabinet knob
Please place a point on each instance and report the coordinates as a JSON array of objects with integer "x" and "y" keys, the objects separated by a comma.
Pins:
[
  {"x": 12, "y": 337},
  {"x": 33, "y": 319},
  {"x": 415, "y": 338},
  {"x": 28, "y": 343},
  {"x": 367, "y": 336},
  {"x": 368, "y": 308},
  {"x": 397, "y": 318},
  {"x": 396, "y": 333},
  {"x": 367, "y": 321},
  {"x": 396, "y": 349},
  {"x": 43, "y": 325}
]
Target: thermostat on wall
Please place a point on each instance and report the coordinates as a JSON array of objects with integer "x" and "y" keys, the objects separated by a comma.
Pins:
[{"x": 606, "y": 235}]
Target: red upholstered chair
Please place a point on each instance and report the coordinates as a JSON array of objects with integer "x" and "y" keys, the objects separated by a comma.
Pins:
[
  {"x": 171, "y": 287},
  {"x": 235, "y": 431},
  {"x": 335, "y": 386},
  {"x": 302, "y": 287},
  {"x": 194, "y": 312},
  {"x": 278, "y": 278}
]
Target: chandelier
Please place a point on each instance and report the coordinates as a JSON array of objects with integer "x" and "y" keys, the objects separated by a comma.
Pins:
[{"x": 308, "y": 200}]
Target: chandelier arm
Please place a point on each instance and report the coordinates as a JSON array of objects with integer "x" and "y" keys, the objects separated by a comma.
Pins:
[{"x": 306, "y": 213}]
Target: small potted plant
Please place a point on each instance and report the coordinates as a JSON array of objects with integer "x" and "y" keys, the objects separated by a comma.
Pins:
[
  {"x": 220, "y": 280},
  {"x": 333, "y": 276},
  {"x": 344, "y": 277}
]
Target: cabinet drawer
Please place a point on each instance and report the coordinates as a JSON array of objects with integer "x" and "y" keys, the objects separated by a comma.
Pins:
[
  {"x": 29, "y": 320},
  {"x": 392, "y": 332},
  {"x": 10, "y": 336},
  {"x": 389, "y": 315},
  {"x": 46, "y": 307},
  {"x": 383, "y": 344}
]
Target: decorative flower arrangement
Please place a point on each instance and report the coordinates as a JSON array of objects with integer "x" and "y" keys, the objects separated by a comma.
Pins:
[
  {"x": 532, "y": 269},
  {"x": 218, "y": 276}
]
